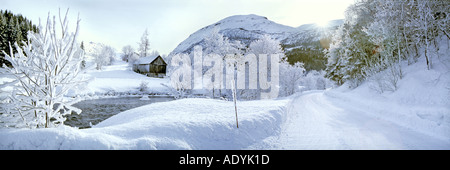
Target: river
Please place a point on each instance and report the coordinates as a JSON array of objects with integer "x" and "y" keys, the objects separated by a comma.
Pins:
[{"x": 97, "y": 110}]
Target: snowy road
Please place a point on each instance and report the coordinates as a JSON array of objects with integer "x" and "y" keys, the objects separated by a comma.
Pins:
[{"x": 318, "y": 121}]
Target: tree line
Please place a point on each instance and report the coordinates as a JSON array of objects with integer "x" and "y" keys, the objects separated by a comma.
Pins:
[
  {"x": 13, "y": 28},
  {"x": 379, "y": 34}
]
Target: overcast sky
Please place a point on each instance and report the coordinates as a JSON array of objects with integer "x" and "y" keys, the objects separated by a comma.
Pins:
[{"x": 122, "y": 22}]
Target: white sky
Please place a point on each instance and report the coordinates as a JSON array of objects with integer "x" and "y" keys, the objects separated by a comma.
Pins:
[{"x": 122, "y": 22}]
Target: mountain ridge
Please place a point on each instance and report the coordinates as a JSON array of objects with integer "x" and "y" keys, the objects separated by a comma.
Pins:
[
  {"x": 304, "y": 43},
  {"x": 247, "y": 28}
]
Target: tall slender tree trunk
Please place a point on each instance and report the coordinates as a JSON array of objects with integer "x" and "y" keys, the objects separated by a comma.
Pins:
[{"x": 426, "y": 37}]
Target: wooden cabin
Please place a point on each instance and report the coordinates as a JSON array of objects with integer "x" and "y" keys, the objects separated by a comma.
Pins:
[{"x": 152, "y": 66}]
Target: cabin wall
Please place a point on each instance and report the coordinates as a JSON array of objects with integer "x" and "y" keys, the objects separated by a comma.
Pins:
[
  {"x": 143, "y": 68},
  {"x": 156, "y": 68}
]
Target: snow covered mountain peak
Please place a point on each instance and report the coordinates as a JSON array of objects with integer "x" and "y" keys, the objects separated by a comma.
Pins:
[
  {"x": 248, "y": 28},
  {"x": 242, "y": 18},
  {"x": 244, "y": 28},
  {"x": 252, "y": 22}
]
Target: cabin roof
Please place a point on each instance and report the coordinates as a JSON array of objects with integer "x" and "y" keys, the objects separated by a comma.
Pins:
[{"x": 146, "y": 60}]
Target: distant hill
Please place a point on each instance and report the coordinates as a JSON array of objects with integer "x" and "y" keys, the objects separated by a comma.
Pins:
[{"x": 304, "y": 43}]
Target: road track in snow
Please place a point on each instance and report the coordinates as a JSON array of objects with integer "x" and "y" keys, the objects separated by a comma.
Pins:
[{"x": 317, "y": 121}]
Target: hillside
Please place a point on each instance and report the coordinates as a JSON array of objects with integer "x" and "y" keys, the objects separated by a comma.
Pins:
[
  {"x": 304, "y": 43},
  {"x": 244, "y": 28}
]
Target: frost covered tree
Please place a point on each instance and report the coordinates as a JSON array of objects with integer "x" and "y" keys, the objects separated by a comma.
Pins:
[
  {"x": 127, "y": 51},
  {"x": 405, "y": 30},
  {"x": 351, "y": 48},
  {"x": 154, "y": 53},
  {"x": 315, "y": 80},
  {"x": 104, "y": 57},
  {"x": 428, "y": 23},
  {"x": 264, "y": 47},
  {"x": 217, "y": 43},
  {"x": 144, "y": 45},
  {"x": 390, "y": 33},
  {"x": 378, "y": 34},
  {"x": 44, "y": 69},
  {"x": 83, "y": 60},
  {"x": 290, "y": 77},
  {"x": 180, "y": 84}
]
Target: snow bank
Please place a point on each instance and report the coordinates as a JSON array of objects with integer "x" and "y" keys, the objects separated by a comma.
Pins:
[
  {"x": 421, "y": 103},
  {"x": 181, "y": 124}
]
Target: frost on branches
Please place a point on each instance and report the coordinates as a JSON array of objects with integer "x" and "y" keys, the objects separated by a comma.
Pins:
[{"x": 44, "y": 69}]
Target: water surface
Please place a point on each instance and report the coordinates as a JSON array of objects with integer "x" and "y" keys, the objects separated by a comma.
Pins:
[{"x": 96, "y": 110}]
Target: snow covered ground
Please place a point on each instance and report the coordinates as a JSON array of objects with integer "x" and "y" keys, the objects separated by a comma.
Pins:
[
  {"x": 324, "y": 121},
  {"x": 180, "y": 124},
  {"x": 416, "y": 116},
  {"x": 118, "y": 78}
]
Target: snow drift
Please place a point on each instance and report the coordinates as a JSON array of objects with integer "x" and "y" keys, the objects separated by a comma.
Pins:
[
  {"x": 180, "y": 124},
  {"x": 421, "y": 103}
]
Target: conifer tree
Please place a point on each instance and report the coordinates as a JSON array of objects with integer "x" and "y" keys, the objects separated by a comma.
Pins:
[{"x": 13, "y": 29}]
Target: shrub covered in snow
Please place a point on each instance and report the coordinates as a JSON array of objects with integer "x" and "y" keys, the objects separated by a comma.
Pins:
[
  {"x": 291, "y": 76},
  {"x": 143, "y": 87},
  {"x": 315, "y": 80}
]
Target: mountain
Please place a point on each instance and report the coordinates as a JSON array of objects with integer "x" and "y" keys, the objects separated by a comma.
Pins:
[
  {"x": 248, "y": 28},
  {"x": 245, "y": 28},
  {"x": 308, "y": 44},
  {"x": 308, "y": 33}
]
